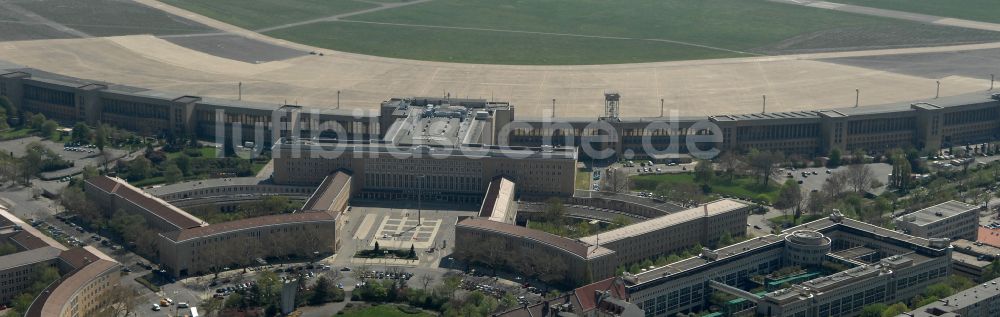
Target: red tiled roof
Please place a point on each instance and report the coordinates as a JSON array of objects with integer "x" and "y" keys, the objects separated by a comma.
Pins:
[
  {"x": 236, "y": 225},
  {"x": 28, "y": 241},
  {"x": 587, "y": 294},
  {"x": 78, "y": 257},
  {"x": 569, "y": 245},
  {"x": 105, "y": 183},
  {"x": 156, "y": 206}
]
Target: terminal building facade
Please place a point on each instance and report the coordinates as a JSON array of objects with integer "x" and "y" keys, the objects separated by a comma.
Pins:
[{"x": 924, "y": 124}]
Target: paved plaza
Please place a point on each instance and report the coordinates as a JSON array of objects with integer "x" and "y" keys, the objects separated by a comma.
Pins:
[{"x": 400, "y": 232}]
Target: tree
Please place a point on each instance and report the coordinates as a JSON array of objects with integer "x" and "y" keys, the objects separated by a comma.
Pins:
[
  {"x": 36, "y": 121},
  {"x": 873, "y": 310},
  {"x": 763, "y": 165},
  {"x": 376, "y": 247},
  {"x": 413, "y": 252},
  {"x": 3, "y": 120},
  {"x": 269, "y": 287},
  {"x": 817, "y": 201},
  {"x": 321, "y": 291},
  {"x": 139, "y": 168},
  {"x": 183, "y": 162},
  {"x": 939, "y": 290},
  {"x": 901, "y": 173},
  {"x": 101, "y": 137},
  {"x": 729, "y": 162},
  {"x": 450, "y": 284},
  {"x": 89, "y": 171},
  {"x": 9, "y": 108},
  {"x": 48, "y": 129},
  {"x": 121, "y": 300},
  {"x": 858, "y": 156},
  {"x": 703, "y": 171},
  {"x": 726, "y": 239},
  {"x": 619, "y": 221},
  {"x": 81, "y": 133},
  {"x": 554, "y": 210},
  {"x": 834, "y": 159},
  {"x": 789, "y": 197},
  {"x": 426, "y": 280},
  {"x": 859, "y": 177},
  {"x": 616, "y": 180},
  {"x": 835, "y": 184},
  {"x": 895, "y": 310},
  {"x": 172, "y": 174}
]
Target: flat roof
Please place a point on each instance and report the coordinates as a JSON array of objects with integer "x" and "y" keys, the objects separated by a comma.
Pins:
[
  {"x": 175, "y": 216},
  {"x": 707, "y": 210},
  {"x": 854, "y": 252},
  {"x": 333, "y": 186},
  {"x": 936, "y": 213},
  {"x": 202, "y": 184},
  {"x": 248, "y": 223},
  {"x": 28, "y": 257},
  {"x": 747, "y": 248},
  {"x": 975, "y": 248},
  {"x": 575, "y": 247},
  {"x": 951, "y": 304},
  {"x": 499, "y": 194}
]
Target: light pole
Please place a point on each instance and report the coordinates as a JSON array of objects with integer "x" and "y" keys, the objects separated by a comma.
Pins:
[
  {"x": 338, "y": 99},
  {"x": 857, "y": 97},
  {"x": 937, "y": 93}
]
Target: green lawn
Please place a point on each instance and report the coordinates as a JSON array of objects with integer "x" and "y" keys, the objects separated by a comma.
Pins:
[
  {"x": 583, "y": 178},
  {"x": 17, "y": 133},
  {"x": 579, "y": 31},
  {"x": 255, "y": 14},
  {"x": 205, "y": 151},
  {"x": 465, "y": 46},
  {"x": 977, "y": 10},
  {"x": 380, "y": 311},
  {"x": 743, "y": 187}
]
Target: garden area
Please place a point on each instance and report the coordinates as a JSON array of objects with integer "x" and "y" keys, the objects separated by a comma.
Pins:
[
  {"x": 684, "y": 186},
  {"x": 377, "y": 252},
  {"x": 271, "y": 205},
  {"x": 383, "y": 311},
  {"x": 583, "y": 179},
  {"x": 183, "y": 160},
  {"x": 553, "y": 220}
]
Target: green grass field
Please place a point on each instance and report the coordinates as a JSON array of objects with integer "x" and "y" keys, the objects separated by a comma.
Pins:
[
  {"x": 255, "y": 14},
  {"x": 379, "y": 311},
  {"x": 976, "y": 10},
  {"x": 743, "y": 187},
  {"x": 562, "y": 32},
  {"x": 583, "y": 178}
]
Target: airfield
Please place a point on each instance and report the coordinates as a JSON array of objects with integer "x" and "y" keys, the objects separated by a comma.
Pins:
[{"x": 205, "y": 57}]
